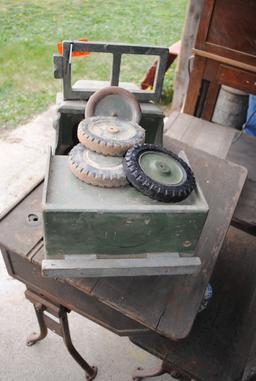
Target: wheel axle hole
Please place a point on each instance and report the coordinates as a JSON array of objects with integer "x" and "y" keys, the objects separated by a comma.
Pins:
[{"x": 32, "y": 218}]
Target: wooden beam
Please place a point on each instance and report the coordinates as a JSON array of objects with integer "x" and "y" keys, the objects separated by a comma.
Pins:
[{"x": 192, "y": 18}]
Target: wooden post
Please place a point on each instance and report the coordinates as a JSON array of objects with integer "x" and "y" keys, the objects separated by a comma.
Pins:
[{"x": 193, "y": 14}]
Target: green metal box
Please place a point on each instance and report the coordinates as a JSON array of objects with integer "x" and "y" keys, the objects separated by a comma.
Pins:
[{"x": 81, "y": 219}]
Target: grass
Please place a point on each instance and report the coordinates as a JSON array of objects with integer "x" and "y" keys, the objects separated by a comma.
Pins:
[{"x": 29, "y": 31}]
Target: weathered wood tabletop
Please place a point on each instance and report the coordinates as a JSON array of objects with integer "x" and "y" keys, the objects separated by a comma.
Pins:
[
  {"x": 167, "y": 305},
  {"x": 225, "y": 143}
]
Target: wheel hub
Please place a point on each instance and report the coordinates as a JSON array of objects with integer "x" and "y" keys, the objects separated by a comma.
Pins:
[{"x": 162, "y": 168}]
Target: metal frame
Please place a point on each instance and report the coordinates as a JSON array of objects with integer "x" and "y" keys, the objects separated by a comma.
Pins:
[
  {"x": 63, "y": 64},
  {"x": 62, "y": 329}
]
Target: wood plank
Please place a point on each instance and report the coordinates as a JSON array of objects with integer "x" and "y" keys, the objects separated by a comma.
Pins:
[
  {"x": 18, "y": 230},
  {"x": 181, "y": 80},
  {"x": 222, "y": 183},
  {"x": 197, "y": 133},
  {"x": 243, "y": 151},
  {"x": 223, "y": 335},
  {"x": 245, "y": 214},
  {"x": 224, "y": 60},
  {"x": 237, "y": 78},
  {"x": 152, "y": 300},
  {"x": 223, "y": 142}
]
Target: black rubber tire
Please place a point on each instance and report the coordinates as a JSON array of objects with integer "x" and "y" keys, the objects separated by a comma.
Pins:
[{"x": 145, "y": 184}]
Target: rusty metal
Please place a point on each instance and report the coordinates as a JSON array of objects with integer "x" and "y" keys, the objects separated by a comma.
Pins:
[
  {"x": 62, "y": 329},
  {"x": 35, "y": 337},
  {"x": 163, "y": 368}
]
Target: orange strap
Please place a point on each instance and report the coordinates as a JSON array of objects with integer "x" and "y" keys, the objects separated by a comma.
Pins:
[{"x": 74, "y": 54}]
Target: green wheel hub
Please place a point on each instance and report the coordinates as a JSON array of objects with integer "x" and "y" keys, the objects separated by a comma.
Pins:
[{"x": 162, "y": 168}]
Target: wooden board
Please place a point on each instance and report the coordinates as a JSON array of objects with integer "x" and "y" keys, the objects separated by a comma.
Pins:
[
  {"x": 181, "y": 80},
  {"x": 198, "y": 133},
  {"x": 223, "y": 142}
]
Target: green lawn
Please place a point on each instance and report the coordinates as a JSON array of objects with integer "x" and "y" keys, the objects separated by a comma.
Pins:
[{"x": 30, "y": 29}]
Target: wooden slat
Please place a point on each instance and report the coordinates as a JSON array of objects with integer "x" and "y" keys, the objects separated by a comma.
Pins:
[
  {"x": 224, "y": 60},
  {"x": 194, "y": 86}
]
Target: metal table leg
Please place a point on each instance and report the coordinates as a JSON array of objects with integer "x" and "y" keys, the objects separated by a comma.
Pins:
[
  {"x": 35, "y": 337},
  {"x": 62, "y": 329},
  {"x": 165, "y": 367}
]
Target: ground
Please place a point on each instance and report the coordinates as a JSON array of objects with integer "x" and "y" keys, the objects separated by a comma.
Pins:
[{"x": 30, "y": 29}]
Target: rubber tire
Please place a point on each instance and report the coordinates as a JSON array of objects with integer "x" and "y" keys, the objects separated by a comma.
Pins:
[
  {"x": 103, "y": 146},
  {"x": 157, "y": 191},
  {"x": 113, "y": 90},
  {"x": 91, "y": 175}
]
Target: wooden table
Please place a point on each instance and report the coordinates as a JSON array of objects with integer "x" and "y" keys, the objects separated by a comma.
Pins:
[
  {"x": 142, "y": 307},
  {"x": 133, "y": 296}
]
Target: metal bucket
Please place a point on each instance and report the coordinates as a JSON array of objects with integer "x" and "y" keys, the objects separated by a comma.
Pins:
[{"x": 231, "y": 108}]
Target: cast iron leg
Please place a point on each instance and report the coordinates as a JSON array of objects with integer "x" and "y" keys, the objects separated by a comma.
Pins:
[
  {"x": 141, "y": 374},
  {"x": 35, "y": 337},
  {"x": 91, "y": 372},
  {"x": 61, "y": 328}
]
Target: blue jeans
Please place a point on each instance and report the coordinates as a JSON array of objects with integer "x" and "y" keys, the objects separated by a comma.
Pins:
[{"x": 251, "y": 117}]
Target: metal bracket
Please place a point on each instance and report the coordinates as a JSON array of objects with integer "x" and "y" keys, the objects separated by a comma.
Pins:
[
  {"x": 150, "y": 264},
  {"x": 57, "y": 66},
  {"x": 62, "y": 329}
]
